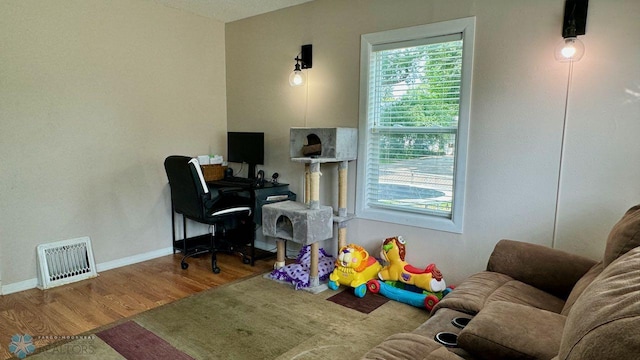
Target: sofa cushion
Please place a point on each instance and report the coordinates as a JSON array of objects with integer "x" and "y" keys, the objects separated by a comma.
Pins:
[
  {"x": 520, "y": 293},
  {"x": 580, "y": 286},
  {"x": 504, "y": 330},
  {"x": 471, "y": 294},
  {"x": 604, "y": 321},
  {"x": 624, "y": 236},
  {"x": 408, "y": 346}
]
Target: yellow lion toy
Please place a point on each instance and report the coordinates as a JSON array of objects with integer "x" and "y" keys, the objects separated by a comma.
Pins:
[
  {"x": 393, "y": 252},
  {"x": 354, "y": 267}
]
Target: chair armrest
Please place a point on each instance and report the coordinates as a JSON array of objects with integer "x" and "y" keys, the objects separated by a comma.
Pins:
[
  {"x": 226, "y": 190},
  {"x": 551, "y": 270}
]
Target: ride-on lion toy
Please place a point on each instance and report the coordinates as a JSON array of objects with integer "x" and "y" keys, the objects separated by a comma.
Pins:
[{"x": 354, "y": 267}]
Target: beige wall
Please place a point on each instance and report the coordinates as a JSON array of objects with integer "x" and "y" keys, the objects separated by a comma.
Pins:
[
  {"x": 94, "y": 95},
  {"x": 516, "y": 118}
]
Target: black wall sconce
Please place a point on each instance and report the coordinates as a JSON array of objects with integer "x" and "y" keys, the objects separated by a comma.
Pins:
[
  {"x": 304, "y": 61},
  {"x": 574, "y": 24}
]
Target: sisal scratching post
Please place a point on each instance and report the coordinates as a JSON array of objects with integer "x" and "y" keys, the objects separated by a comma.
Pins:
[
  {"x": 342, "y": 188},
  {"x": 342, "y": 202},
  {"x": 314, "y": 186},
  {"x": 314, "y": 279},
  {"x": 314, "y": 203},
  {"x": 280, "y": 254},
  {"x": 342, "y": 236},
  {"x": 307, "y": 183}
]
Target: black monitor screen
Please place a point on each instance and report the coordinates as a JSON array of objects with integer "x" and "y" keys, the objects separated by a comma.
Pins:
[{"x": 246, "y": 147}]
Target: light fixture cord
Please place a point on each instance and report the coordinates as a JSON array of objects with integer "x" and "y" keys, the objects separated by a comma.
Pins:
[{"x": 564, "y": 132}]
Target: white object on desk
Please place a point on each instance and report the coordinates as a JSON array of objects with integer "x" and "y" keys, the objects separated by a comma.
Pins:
[
  {"x": 215, "y": 160},
  {"x": 203, "y": 159},
  {"x": 277, "y": 197}
]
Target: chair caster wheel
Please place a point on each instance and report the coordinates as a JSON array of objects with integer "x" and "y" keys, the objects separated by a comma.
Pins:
[
  {"x": 216, "y": 270},
  {"x": 184, "y": 265},
  {"x": 246, "y": 260}
]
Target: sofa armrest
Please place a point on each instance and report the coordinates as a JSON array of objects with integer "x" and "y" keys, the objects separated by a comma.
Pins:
[
  {"x": 551, "y": 270},
  {"x": 504, "y": 330}
]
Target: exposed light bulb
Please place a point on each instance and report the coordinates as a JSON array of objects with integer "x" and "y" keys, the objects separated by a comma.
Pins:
[
  {"x": 297, "y": 78},
  {"x": 569, "y": 49}
]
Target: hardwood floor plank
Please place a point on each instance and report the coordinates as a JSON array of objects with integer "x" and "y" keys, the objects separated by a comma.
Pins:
[{"x": 119, "y": 293}]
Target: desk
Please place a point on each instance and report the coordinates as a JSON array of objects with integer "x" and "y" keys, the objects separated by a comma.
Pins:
[{"x": 267, "y": 194}]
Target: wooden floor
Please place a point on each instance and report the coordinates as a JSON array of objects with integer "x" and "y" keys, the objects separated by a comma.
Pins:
[{"x": 115, "y": 294}]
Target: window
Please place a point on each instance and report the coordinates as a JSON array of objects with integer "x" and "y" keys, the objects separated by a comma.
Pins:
[{"x": 414, "y": 120}]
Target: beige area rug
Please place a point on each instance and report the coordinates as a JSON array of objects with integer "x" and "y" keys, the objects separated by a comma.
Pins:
[{"x": 256, "y": 318}]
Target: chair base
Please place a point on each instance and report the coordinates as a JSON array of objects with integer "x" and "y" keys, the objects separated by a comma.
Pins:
[
  {"x": 203, "y": 244},
  {"x": 224, "y": 239},
  {"x": 199, "y": 251}
]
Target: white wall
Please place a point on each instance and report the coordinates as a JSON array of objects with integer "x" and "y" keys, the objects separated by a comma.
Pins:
[
  {"x": 94, "y": 95},
  {"x": 516, "y": 123},
  {"x": 601, "y": 172}
]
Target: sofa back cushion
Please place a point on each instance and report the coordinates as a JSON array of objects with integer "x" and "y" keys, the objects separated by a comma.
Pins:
[
  {"x": 624, "y": 236},
  {"x": 580, "y": 286},
  {"x": 550, "y": 270},
  {"x": 604, "y": 321}
]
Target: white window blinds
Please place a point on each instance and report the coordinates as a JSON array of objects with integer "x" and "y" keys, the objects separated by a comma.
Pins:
[{"x": 412, "y": 123}]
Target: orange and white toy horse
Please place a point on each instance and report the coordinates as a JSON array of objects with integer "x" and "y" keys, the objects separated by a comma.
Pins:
[{"x": 393, "y": 252}]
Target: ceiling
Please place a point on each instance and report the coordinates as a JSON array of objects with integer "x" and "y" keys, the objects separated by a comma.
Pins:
[{"x": 229, "y": 10}]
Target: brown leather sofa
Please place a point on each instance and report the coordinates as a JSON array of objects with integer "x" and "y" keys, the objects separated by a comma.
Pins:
[{"x": 535, "y": 302}]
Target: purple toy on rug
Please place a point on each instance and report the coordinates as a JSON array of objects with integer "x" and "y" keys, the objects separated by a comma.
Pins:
[{"x": 298, "y": 273}]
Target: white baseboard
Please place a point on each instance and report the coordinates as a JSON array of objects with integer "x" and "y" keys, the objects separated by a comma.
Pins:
[
  {"x": 32, "y": 283},
  {"x": 133, "y": 259},
  {"x": 19, "y": 286}
]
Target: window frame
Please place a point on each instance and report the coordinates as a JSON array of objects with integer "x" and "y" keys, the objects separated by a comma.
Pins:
[{"x": 466, "y": 27}]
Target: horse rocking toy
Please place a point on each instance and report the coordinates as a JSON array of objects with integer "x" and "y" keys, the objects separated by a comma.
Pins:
[{"x": 403, "y": 282}]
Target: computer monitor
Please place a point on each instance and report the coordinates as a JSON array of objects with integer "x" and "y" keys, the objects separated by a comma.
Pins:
[{"x": 246, "y": 147}]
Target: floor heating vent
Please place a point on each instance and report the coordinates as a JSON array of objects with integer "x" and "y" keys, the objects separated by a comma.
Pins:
[{"x": 64, "y": 262}]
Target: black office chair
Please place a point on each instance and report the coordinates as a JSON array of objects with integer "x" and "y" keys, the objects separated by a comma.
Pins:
[{"x": 228, "y": 210}]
